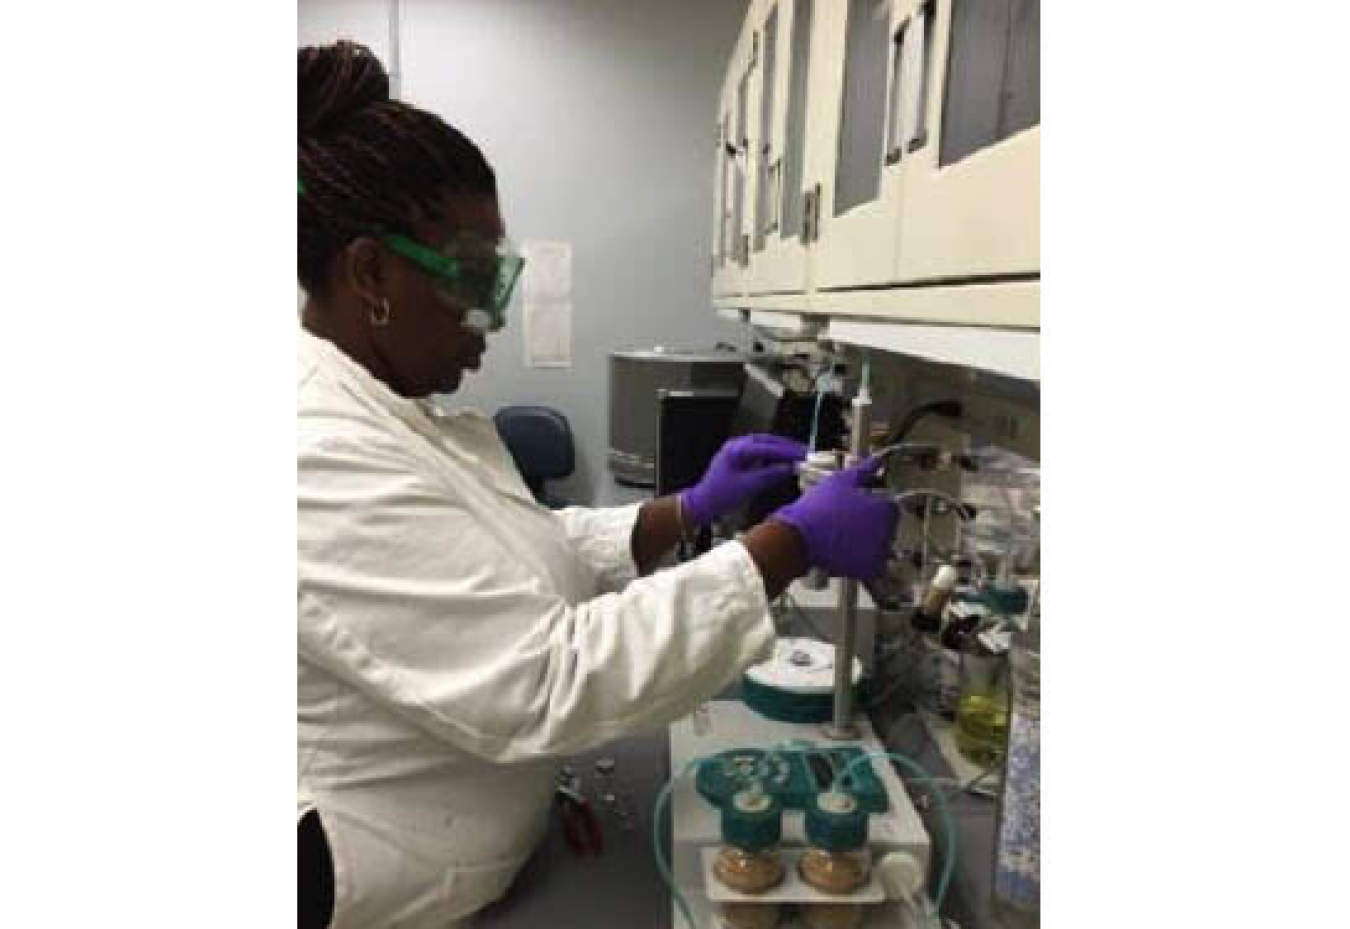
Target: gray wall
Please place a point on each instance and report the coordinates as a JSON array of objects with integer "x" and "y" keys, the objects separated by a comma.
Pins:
[{"x": 598, "y": 116}]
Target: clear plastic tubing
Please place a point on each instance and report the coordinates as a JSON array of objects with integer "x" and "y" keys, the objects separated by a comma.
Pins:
[{"x": 949, "y": 830}]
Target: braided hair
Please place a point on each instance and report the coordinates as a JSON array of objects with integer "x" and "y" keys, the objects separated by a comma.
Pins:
[{"x": 368, "y": 164}]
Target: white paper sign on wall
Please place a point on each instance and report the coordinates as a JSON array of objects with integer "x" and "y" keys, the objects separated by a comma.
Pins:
[{"x": 546, "y": 292}]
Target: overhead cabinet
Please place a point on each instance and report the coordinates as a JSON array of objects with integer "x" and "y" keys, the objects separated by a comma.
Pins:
[
  {"x": 778, "y": 259},
  {"x": 886, "y": 147},
  {"x": 736, "y": 137}
]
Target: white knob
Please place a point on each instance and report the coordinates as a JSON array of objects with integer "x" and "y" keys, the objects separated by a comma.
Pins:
[{"x": 901, "y": 875}]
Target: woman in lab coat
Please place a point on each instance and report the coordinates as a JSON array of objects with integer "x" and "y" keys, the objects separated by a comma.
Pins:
[{"x": 456, "y": 640}]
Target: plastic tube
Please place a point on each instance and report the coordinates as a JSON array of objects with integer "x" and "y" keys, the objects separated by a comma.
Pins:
[
  {"x": 661, "y": 864},
  {"x": 949, "y": 858},
  {"x": 887, "y": 450},
  {"x": 820, "y": 397},
  {"x": 815, "y": 417}
]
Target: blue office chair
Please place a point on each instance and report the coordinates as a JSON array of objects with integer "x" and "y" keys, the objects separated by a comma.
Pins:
[{"x": 540, "y": 442}]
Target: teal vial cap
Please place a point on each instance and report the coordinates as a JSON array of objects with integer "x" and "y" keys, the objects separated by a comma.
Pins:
[
  {"x": 1007, "y": 600},
  {"x": 752, "y": 821},
  {"x": 836, "y": 822}
]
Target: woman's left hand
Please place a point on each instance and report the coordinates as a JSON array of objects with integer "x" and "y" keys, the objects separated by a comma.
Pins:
[{"x": 742, "y": 468}]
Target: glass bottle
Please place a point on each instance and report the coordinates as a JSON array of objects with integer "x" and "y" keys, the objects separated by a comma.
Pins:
[
  {"x": 982, "y": 714},
  {"x": 926, "y": 625}
]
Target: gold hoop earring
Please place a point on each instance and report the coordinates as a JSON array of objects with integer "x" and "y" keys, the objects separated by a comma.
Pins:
[{"x": 380, "y": 312}]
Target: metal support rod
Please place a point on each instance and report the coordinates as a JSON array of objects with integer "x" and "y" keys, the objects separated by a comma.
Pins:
[
  {"x": 395, "y": 53},
  {"x": 842, "y": 726}
]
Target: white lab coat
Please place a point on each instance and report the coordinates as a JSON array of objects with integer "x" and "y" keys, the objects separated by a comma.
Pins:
[{"x": 456, "y": 640}]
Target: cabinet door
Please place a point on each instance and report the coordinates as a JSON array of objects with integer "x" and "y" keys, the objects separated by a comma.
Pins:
[
  {"x": 1022, "y": 79},
  {"x": 972, "y": 193},
  {"x": 767, "y": 160},
  {"x": 735, "y": 167},
  {"x": 778, "y": 255},
  {"x": 860, "y": 193},
  {"x": 744, "y": 95},
  {"x": 723, "y": 166}
]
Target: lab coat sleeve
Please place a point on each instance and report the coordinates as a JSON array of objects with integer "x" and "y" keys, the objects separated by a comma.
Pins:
[
  {"x": 412, "y": 600},
  {"x": 603, "y": 538}
]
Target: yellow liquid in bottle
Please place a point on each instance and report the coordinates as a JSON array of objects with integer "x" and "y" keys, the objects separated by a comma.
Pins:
[{"x": 982, "y": 727}]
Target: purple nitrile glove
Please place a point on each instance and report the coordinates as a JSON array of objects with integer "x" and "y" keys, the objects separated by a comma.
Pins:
[
  {"x": 741, "y": 469},
  {"x": 846, "y": 530}
]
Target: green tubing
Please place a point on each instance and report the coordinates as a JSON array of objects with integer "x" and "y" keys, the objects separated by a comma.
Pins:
[
  {"x": 661, "y": 864},
  {"x": 949, "y": 858},
  {"x": 659, "y": 853}
]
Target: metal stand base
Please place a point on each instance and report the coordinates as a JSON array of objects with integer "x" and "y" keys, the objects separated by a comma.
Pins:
[{"x": 846, "y": 733}]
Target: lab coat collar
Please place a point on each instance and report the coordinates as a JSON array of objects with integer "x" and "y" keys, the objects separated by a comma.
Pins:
[
  {"x": 419, "y": 414},
  {"x": 423, "y": 416}
]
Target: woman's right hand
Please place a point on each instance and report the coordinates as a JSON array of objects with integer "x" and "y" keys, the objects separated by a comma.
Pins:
[{"x": 846, "y": 530}]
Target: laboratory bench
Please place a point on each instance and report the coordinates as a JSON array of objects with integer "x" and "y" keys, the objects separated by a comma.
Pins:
[{"x": 622, "y": 888}]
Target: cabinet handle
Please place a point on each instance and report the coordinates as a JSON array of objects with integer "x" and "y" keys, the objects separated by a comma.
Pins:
[{"x": 811, "y": 215}]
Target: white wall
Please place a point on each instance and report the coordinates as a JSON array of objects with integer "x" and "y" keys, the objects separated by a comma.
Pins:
[{"x": 598, "y": 116}]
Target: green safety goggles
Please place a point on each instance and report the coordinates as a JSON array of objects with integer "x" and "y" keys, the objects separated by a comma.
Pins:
[{"x": 471, "y": 272}]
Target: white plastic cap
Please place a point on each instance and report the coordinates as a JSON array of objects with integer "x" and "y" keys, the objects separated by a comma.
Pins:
[
  {"x": 834, "y": 801},
  {"x": 901, "y": 875},
  {"x": 753, "y": 799},
  {"x": 946, "y": 577}
]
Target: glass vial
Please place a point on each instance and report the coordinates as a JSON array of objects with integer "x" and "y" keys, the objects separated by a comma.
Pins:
[{"x": 612, "y": 795}]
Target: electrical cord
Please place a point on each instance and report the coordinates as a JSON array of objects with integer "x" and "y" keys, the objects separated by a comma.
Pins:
[{"x": 950, "y": 409}]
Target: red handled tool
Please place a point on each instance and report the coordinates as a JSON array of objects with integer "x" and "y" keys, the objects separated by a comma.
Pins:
[{"x": 581, "y": 829}]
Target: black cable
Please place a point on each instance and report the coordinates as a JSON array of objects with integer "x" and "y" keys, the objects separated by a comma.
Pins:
[{"x": 950, "y": 409}]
